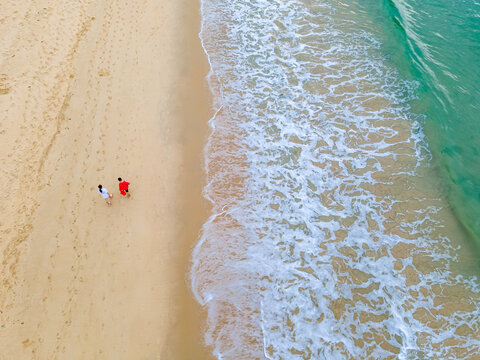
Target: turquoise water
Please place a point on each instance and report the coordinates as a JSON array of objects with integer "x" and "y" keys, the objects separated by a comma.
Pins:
[{"x": 437, "y": 44}]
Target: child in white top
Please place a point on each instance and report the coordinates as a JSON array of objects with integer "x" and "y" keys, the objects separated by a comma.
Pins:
[{"x": 105, "y": 194}]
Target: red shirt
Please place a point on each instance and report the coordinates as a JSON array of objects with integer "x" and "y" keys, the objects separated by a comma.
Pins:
[{"x": 123, "y": 186}]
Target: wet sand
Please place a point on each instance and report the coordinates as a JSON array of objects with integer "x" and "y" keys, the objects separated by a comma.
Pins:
[{"x": 90, "y": 92}]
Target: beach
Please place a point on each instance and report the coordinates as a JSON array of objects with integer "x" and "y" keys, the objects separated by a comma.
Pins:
[
  {"x": 90, "y": 92},
  {"x": 303, "y": 180}
]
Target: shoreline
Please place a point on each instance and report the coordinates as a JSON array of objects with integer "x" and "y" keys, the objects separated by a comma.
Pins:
[
  {"x": 191, "y": 316},
  {"x": 338, "y": 227},
  {"x": 93, "y": 92}
]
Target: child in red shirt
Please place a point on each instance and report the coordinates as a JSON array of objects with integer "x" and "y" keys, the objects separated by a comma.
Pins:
[{"x": 123, "y": 187}]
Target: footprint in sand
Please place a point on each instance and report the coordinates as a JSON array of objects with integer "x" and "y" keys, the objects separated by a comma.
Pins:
[{"x": 4, "y": 86}]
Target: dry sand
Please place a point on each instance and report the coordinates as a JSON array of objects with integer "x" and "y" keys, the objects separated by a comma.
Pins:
[{"x": 90, "y": 91}]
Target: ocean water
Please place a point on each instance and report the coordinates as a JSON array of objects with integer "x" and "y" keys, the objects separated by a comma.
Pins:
[
  {"x": 437, "y": 44},
  {"x": 343, "y": 193}
]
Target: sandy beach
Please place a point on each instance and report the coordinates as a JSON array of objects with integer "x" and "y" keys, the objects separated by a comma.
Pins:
[{"x": 90, "y": 91}]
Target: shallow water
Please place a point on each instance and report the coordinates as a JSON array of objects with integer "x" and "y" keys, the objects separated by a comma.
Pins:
[
  {"x": 330, "y": 235},
  {"x": 437, "y": 44}
]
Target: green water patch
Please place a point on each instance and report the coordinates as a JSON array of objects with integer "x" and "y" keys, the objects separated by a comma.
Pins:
[{"x": 436, "y": 44}]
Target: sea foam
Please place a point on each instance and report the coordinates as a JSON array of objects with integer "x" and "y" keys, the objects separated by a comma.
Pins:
[{"x": 321, "y": 244}]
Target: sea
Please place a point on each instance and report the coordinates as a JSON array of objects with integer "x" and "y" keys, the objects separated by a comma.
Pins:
[{"x": 343, "y": 176}]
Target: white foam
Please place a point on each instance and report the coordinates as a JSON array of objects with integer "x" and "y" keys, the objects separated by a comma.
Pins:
[{"x": 295, "y": 149}]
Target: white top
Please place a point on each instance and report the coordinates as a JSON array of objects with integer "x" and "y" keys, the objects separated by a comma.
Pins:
[{"x": 103, "y": 193}]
